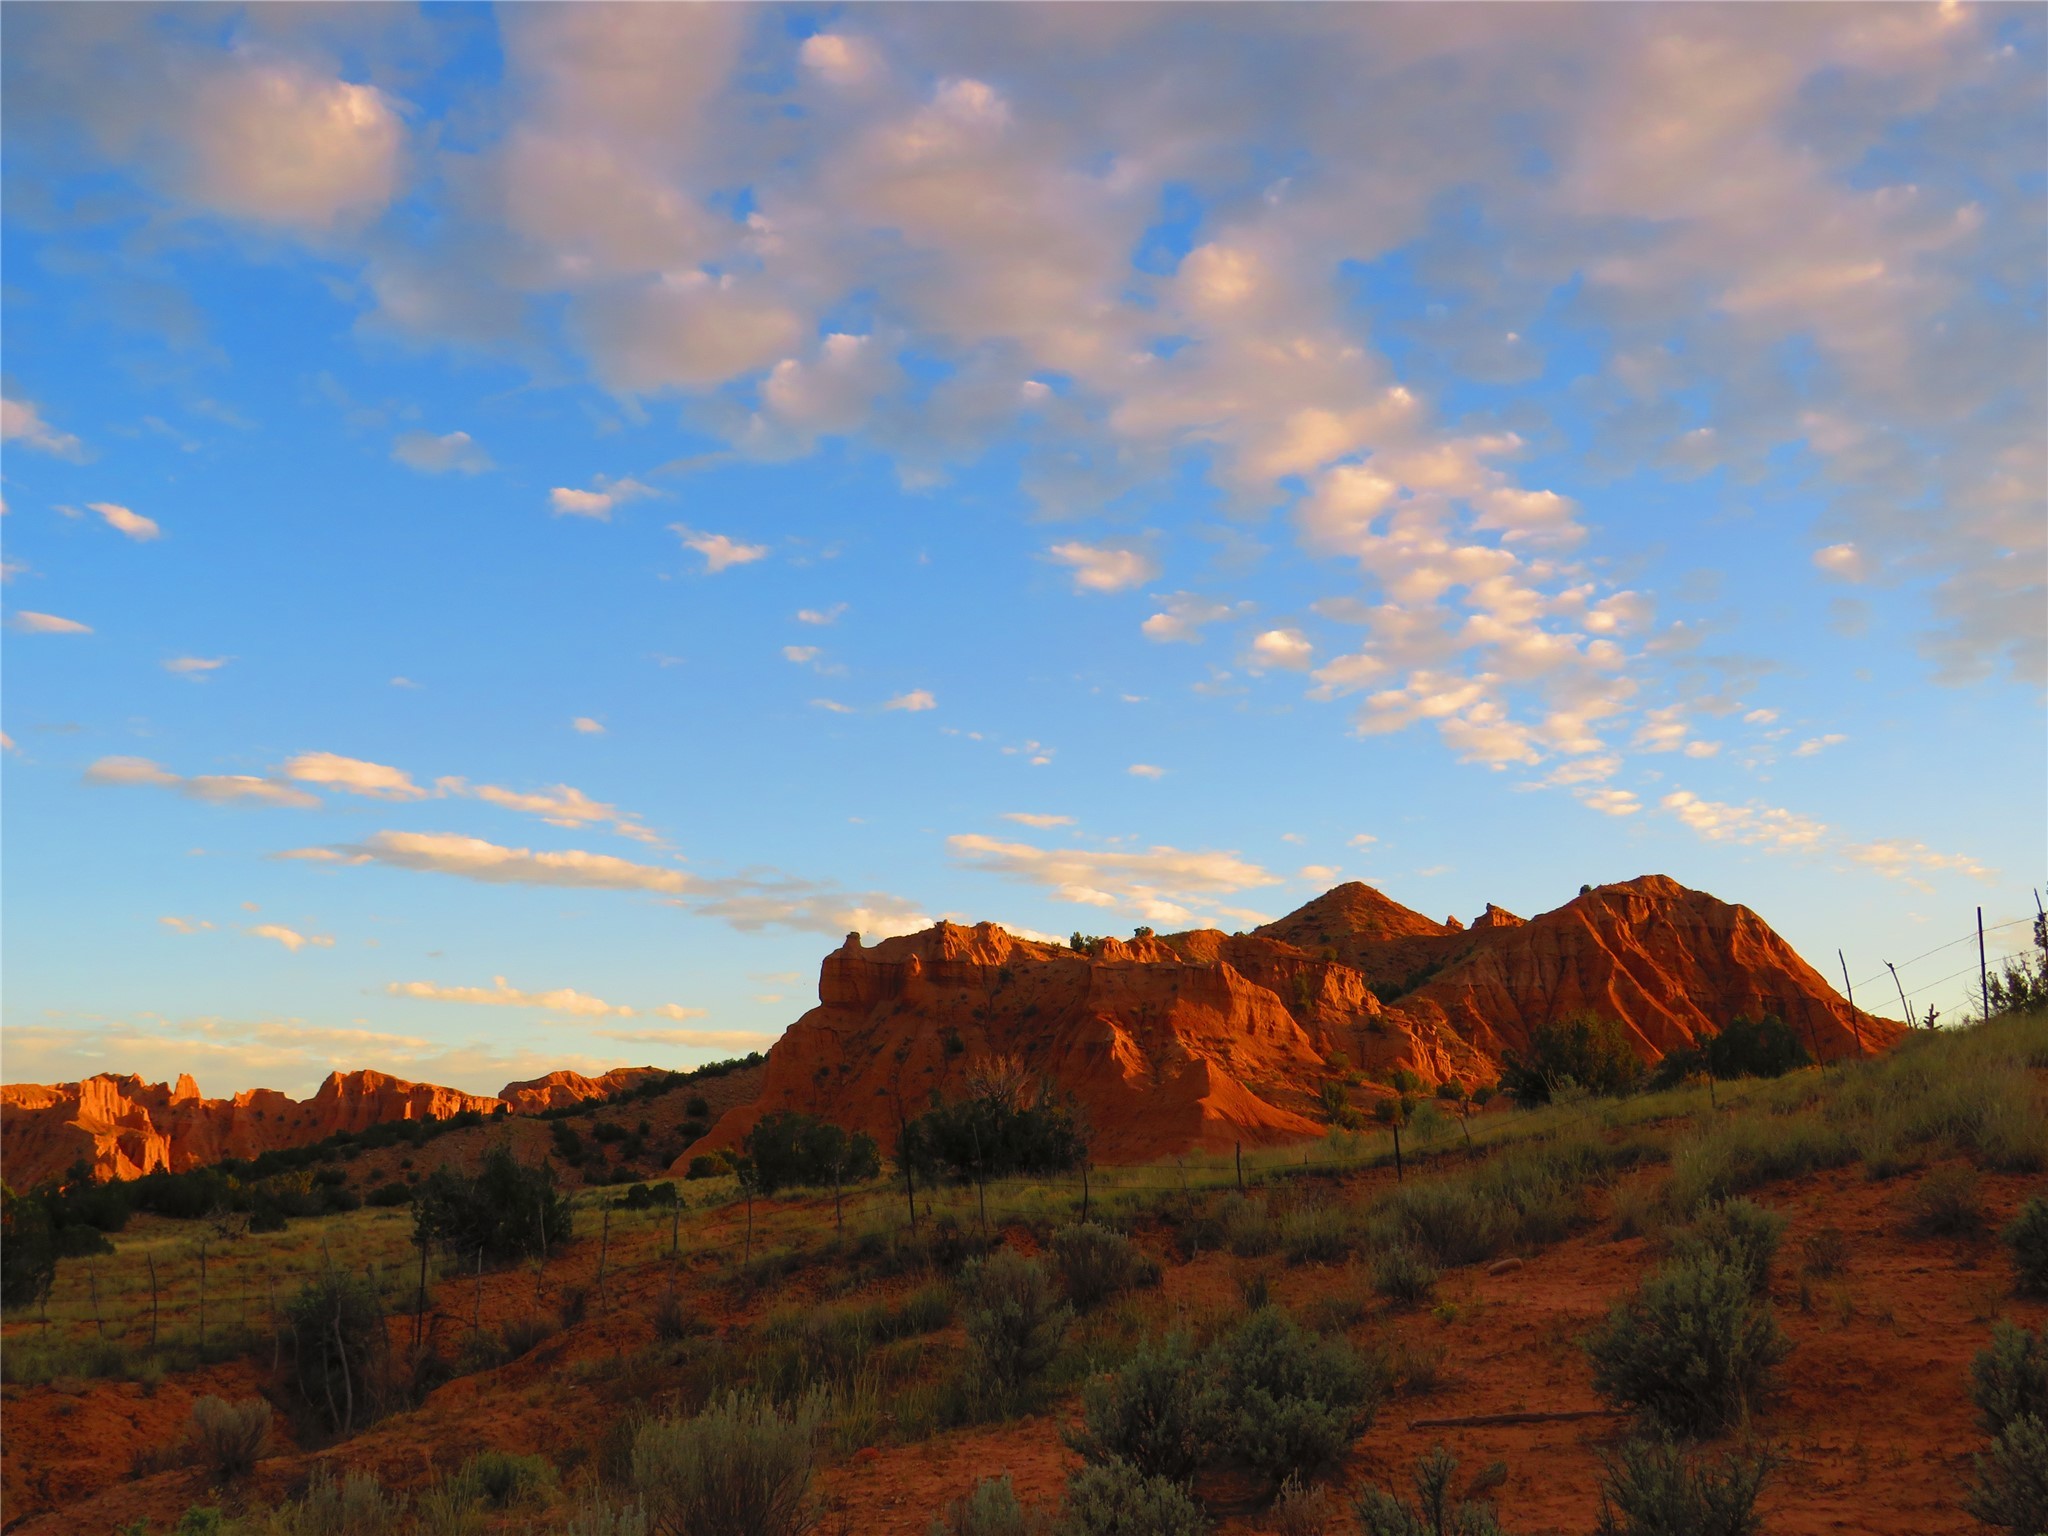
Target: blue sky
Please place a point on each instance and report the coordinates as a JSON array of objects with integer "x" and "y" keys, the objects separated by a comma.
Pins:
[{"x": 523, "y": 528}]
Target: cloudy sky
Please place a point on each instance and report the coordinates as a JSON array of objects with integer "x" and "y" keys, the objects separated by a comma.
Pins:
[{"x": 525, "y": 527}]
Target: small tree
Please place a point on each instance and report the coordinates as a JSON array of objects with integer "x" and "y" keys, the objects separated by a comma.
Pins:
[
  {"x": 1014, "y": 1318},
  {"x": 1691, "y": 1350},
  {"x": 507, "y": 1210},
  {"x": 791, "y": 1149},
  {"x": 1585, "y": 1049},
  {"x": 1766, "y": 1047},
  {"x": 28, "y": 1250}
]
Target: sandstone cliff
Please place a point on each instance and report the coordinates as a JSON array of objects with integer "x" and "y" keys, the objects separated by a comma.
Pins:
[{"x": 1203, "y": 1039}]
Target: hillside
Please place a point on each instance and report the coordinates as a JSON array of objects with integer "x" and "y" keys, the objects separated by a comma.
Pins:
[{"x": 1175, "y": 1042}]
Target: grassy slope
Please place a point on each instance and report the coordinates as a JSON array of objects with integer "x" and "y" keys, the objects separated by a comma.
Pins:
[{"x": 1873, "y": 1412}]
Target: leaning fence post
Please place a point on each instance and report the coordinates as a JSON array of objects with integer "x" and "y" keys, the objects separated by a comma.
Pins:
[{"x": 1240, "y": 1167}]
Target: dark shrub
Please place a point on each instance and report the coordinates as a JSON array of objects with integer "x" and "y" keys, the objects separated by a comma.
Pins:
[
  {"x": 501, "y": 1480},
  {"x": 508, "y": 1210},
  {"x": 1149, "y": 1413},
  {"x": 1593, "y": 1052},
  {"x": 1766, "y": 1047},
  {"x": 992, "y": 1509},
  {"x": 1014, "y": 1320},
  {"x": 1826, "y": 1252},
  {"x": 2009, "y": 1380},
  {"x": 228, "y": 1439},
  {"x": 1691, "y": 1351},
  {"x": 1434, "y": 1513},
  {"x": 1657, "y": 1488},
  {"x": 523, "y": 1334},
  {"x": 707, "y": 1166},
  {"x": 2027, "y": 1236},
  {"x": 2012, "y": 1480},
  {"x": 1095, "y": 1264},
  {"x": 338, "y": 1348},
  {"x": 990, "y": 1136},
  {"x": 1736, "y": 1232},
  {"x": 1116, "y": 1499},
  {"x": 791, "y": 1149},
  {"x": 697, "y": 1107},
  {"x": 385, "y": 1196},
  {"x": 28, "y": 1250},
  {"x": 741, "y": 1467},
  {"x": 1401, "y": 1274},
  {"x": 1946, "y": 1203},
  {"x": 1282, "y": 1401}
]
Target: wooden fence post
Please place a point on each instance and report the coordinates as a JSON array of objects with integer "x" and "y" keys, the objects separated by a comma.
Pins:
[
  {"x": 202, "y": 1299},
  {"x": 1240, "y": 1167},
  {"x": 152, "y": 1299},
  {"x": 604, "y": 1248},
  {"x": 1983, "y": 966},
  {"x": 92, "y": 1280},
  {"x": 1849, "y": 990}
]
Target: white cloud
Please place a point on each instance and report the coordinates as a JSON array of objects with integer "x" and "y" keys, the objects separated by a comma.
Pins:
[
  {"x": 1702, "y": 748},
  {"x": 915, "y": 700},
  {"x": 720, "y": 552},
  {"x": 679, "y": 1012},
  {"x": 566, "y": 501},
  {"x": 185, "y": 924},
  {"x": 1320, "y": 874},
  {"x": 1813, "y": 746},
  {"x": 583, "y": 725},
  {"x": 560, "y": 806},
  {"x": 1611, "y": 802},
  {"x": 1843, "y": 561},
  {"x": 1145, "y": 771},
  {"x": 840, "y": 59},
  {"x": 352, "y": 774},
  {"x": 196, "y": 667},
  {"x": 1284, "y": 648},
  {"x": 1161, "y": 883},
  {"x": 215, "y": 788},
  {"x": 801, "y": 654},
  {"x": 820, "y": 615},
  {"x": 438, "y": 455},
  {"x": 290, "y": 938},
  {"x": 1361, "y": 840},
  {"x": 1183, "y": 617},
  {"x": 699, "y": 1039},
  {"x": 472, "y": 858},
  {"x": 1754, "y": 825},
  {"x": 1901, "y": 859},
  {"x": 832, "y": 706},
  {"x": 1105, "y": 568},
  {"x": 501, "y": 994},
  {"x": 133, "y": 524},
  {"x": 21, "y": 422},
  {"x": 1760, "y": 717},
  {"x": 31, "y": 623},
  {"x": 276, "y": 143},
  {"x": 1037, "y": 819}
]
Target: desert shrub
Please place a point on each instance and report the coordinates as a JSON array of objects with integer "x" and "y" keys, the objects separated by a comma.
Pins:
[
  {"x": 228, "y": 1439},
  {"x": 354, "y": 1505},
  {"x": 1446, "y": 1219},
  {"x": 1658, "y": 1488},
  {"x": 1691, "y": 1350},
  {"x": 991, "y": 1509},
  {"x": 1303, "y": 1509},
  {"x": 1149, "y": 1413},
  {"x": 522, "y": 1334},
  {"x": 1766, "y": 1047},
  {"x": 707, "y": 1166},
  {"x": 387, "y": 1196},
  {"x": 1946, "y": 1203},
  {"x": 991, "y": 1135},
  {"x": 1282, "y": 1401},
  {"x": 338, "y": 1347},
  {"x": 1737, "y": 1232},
  {"x": 598, "y": 1516},
  {"x": 2009, "y": 1379},
  {"x": 28, "y": 1250},
  {"x": 792, "y": 1149},
  {"x": 1401, "y": 1274},
  {"x": 507, "y": 1210},
  {"x": 1246, "y": 1226},
  {"x": 1825, "y": 1252},
  {"x": 2011, "y": 1489},
  {"x": 200, "y": 1520},
  {"x": 1433, "y": 1513},
  {"x": 1114, "y": 1498},
  {"x": 1316, "y": 1234},
  {"x": 1095, "y": 1264},
  {"x": 1335, "y": 1104},
  {"x": 500, "y": 1480},
  {"x": 2027, "y": 1236},
  {"x": 1592, "y": 1052},
  {"x": 741, "y": 1467},
  {"x": 1015, "y": 1322}
]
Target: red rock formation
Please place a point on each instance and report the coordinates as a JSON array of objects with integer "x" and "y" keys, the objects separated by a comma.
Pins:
[
  {"x": 558, "y": 1090},
  {"x": 1201, "y": 1039}
]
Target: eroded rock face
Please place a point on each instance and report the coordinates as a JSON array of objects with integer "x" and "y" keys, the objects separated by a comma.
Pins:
[
  {"x": 1198, "y": 1040},
  {"x": 123, "y": 1128}
]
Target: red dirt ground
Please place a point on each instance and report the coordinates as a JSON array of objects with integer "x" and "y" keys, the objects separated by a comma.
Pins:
[{"x": 1873, "y": 1417}]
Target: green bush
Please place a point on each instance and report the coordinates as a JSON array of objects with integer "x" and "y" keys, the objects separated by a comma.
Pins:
[
  {"x": 1433, "y": 1513},
  {"x": 1150, "y": 1413},
  {"x": 991, "y": 1509},
  {"x": 791, "y": 1149},
  {"x": 1115, "y": 1499},
  {"x": 2027, "y": 1236},
  {"x": 1015, "y": 1322},
  {"x": 1658, "y": 1488},
  {"x": 707, "y": 1165},
  {"x": 1246, "y": 1226},
  {"x": 507, "y": 1210},
  {"x": 1282, "y": 1401},
  {"x": 356, "y": 1505},
  {"x": 28, "y": 1250},
  {"x": 1747, "y": 1152},
  {"x": 1401, "y": 1274},
  {"x": 1737, "y": 1232},
  {"x": 1594, "y": 1053},
  {"x": 991, "y": 1135},
  {"x": 1095, "y": 1264},
  {"x": 1946, "y": 1203},
  {"x": 339, "y": 1348},
  {"x": 1691, "y": 1350},
  {"x": 1316, "y": 1234},
  {"x": 2012, "y": 1480},
  {"x": 503, "y": 1481},
  {"x": 1766, "y": 1047},
  {"x": 1303, "y": 1509},
  {"x": 228, "y": 1439},
  {"x": 598, "y": 1516},
  {"x": 2009, "y": 1379},
  {"x": 739, "y": 1468}
]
